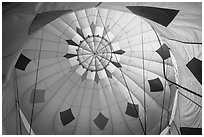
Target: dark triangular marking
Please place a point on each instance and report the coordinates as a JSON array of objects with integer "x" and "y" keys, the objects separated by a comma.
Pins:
[
  {"x": 116, "y": 64},
  {"x": 66, "y": 116},
  {"x": 101, "y": 121},
  {"x": 74, "y": 68},
  {"x": 41, "y": 19},
  {"x": 190, "y": 131},
  {"x": 93, "y": 27},
  {"x": 155, "y": 85},
  {"x": 108, "y": 73},
  {"x": 105, "y": 31},
  {"x": 83, "y": 77},
  {"x": 162, "y": 16},
  {"x": 71, "y": 42},
  {"x": 96, "y": 78},
  {"x": 132, "y": 110},
  {"x": 195, "y": 66},
  {"x": 39, "y": 96},
  {"x": 22, "y": 62},
  {"x": 163, "y": 51},
  {"x": 80, "y": 32},
  {"x": 68, "y": 55},
  {"x": 120, "y": 52}
]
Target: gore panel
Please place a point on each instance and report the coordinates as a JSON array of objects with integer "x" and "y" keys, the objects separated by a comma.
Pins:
[{"x": 41, "y": 19}]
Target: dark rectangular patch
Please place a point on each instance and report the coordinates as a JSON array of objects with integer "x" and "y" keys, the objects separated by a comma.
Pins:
[
  {"x": 163, "y": 51},
  {"x": 195, "y": 66},
  {"x": 66, "y": 116},
  {"x": 39, "y": 96},
  {"x": 155, "y": 85},
  {"x": 101, "y": 121},
  {"x": 22, "y": 62},
  {"x": 132, "y": 110},
  {"x": 162, "y": 16},
  {"x": 190, "y": 131}
]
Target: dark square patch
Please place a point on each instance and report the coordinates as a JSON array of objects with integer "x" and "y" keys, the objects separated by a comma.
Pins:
[
  {"x": 155, "y": 85},
  {"x": 195, "y": 66},
  {"x": 132, "y": 110},
  {"x": 163, "y": 51},
  {"x": 22, "y": 62},
  {"x": 66, "y": 116},
  {"x": 101, "y": 121},
  {"x": 39, "y": 96}
]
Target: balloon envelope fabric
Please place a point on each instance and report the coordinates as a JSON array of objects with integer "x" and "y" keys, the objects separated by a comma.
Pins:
[{"x": 96, "y": 71}]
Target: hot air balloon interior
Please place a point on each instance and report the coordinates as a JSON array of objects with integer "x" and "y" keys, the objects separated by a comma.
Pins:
[{"x": 102, "y": 68}]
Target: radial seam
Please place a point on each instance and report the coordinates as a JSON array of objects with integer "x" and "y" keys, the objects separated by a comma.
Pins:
[{"x": 36, "y": 78}]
